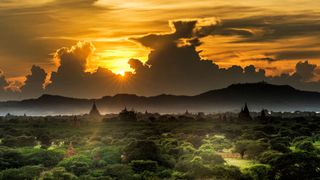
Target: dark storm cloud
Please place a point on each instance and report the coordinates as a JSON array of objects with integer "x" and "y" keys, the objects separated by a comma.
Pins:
[
  {"x": 32, "y": 87},
  {"x": 286, "y": 55},
  {"x": 34, "y": 83},
  {"x": 271, "y": 28},
  {"x": 301, "y": 78},
  {"x": 268, "y": 59},
  {"x": 182, "y": 29},
  {"x": 297, "y": 54},
  {"x": 179, "y": 69},
  {"x": 305, "y": 70},
  {"x": 220, "y": 29},
  {"x": 3, "y": 82}
]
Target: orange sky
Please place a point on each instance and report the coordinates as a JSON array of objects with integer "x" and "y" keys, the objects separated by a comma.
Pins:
[{"x": 31, "y": 31}]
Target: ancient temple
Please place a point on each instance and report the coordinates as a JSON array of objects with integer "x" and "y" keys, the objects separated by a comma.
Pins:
[
  {"x": 245, "y": 113},
  {"x": 94, "y": 112}
]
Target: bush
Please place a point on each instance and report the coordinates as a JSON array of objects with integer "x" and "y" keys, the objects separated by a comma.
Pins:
[
  {"x": 258, "y": 172},
  {"x": 199, "y": 171},
  {"x": 108, "y": 154},
  {"x": 10, "y": 159},
  {"x": 57, "y": 173},
  {"x": 195, "y": 140},
  {"x": 296, "y": 165},
  {"x": 220, "y": 143},
  {"x": 226, "y": 172},
  {"x": 268, "y": 157},
  {"x": 20, "y": 141},
  {"x": 250, "y": 148},
  {"x": 118, "y": 171},
  {"x": 211, "y": 158},
  {"x": 281, "y": 140},
  {"x": 146, "y": 175},
  {"x": 47, "y": 158},
  {"x": 206, "y": 148},
  {"x": 78, "y": 165},
  {"x": 25, "y": 173},
  {"x": 165, "y": 174},
  {"x": 305, "y": 146},
  {"x": 139, "y": 166},
  {"x": 299, "y": 139},
  {"x": 143, "y": 150},
  {"x": 280, "y": 147},
  {"x": 187, "y": 148}
]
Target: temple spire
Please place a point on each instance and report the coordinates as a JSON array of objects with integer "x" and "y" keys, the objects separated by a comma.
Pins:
[{"x": 94, "y": 110}]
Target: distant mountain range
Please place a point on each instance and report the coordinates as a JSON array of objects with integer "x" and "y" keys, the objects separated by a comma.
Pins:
[{"x": 256, "y": 95}]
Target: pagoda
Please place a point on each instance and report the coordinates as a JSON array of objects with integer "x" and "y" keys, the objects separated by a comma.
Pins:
[
  {"x": 245, "y": 113},
  {"x": 94, "y": 112}
]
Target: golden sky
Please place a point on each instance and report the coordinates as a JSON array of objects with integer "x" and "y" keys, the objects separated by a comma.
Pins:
[{"x": 285, "y": 32}]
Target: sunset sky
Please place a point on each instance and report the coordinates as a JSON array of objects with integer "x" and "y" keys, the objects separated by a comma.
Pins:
[{"x": 276, "y": 37}]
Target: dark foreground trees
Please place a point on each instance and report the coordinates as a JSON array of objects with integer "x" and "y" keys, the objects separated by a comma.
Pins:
[{"x": 296, "y": 165}]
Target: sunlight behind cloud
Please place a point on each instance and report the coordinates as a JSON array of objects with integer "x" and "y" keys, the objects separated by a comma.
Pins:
[{"x": 116, "y": 58}]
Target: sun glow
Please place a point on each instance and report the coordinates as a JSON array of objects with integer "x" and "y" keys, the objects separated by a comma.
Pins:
[
  {"x": 121, "y": 73},
  {"x": 115, "y": 58}
]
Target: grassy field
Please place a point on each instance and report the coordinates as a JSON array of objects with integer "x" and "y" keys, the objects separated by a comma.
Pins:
[{"x": 241, "y": 163}]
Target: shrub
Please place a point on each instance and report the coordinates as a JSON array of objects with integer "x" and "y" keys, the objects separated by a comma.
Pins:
[
  {"x": 268, "y": 157},
  {"x": 47, "y": 158},
  {"x": 118, "y": 171},
  {"x": 25, "y": 173},
  {"x": 280, "y": 147},
  {"x": 296, "y": 165},
  {"x": 78, "y": 165},
  {"x": 143, "y": 150},
  {"x": 281, "y": 140},
  {"x": 297, "y": 140},
  {"x": 195, "y": 140},
  {"x": 220, "y": 143},
  {"x": 211, "y": 158},
  {"x": 258, "y": 172},
  {"x": 206, "y": 148},
  {"x": 145, "y": 175},
  {"x": 109, "y": 154},
  {"x": 139, "y": 166},
  {"x": 10, "y": 159},
  {"x": 250, "y": 148},
  {"x": 226, "y": 172},
  {"x": 57, "y": 173},
  {"x": 20, "y": 141},
  {"x": 305, "y": 146}
]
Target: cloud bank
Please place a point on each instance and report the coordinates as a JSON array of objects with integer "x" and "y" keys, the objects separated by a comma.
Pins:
[{"x": 174, "y": 66}]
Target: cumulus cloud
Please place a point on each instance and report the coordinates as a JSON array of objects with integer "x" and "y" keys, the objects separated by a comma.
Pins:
[
  {"x": 71, "y": 78},
  {"x": 305, "y": 70},
  {"x": 179, "y": 69},
  {"x": 174, "y": 66},
  {"x": 34, "y": 83},
  {"x": 3, "y": 82}
]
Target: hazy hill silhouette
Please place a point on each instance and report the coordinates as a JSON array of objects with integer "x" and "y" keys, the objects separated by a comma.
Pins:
[{"x": 257, "y": 95}]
